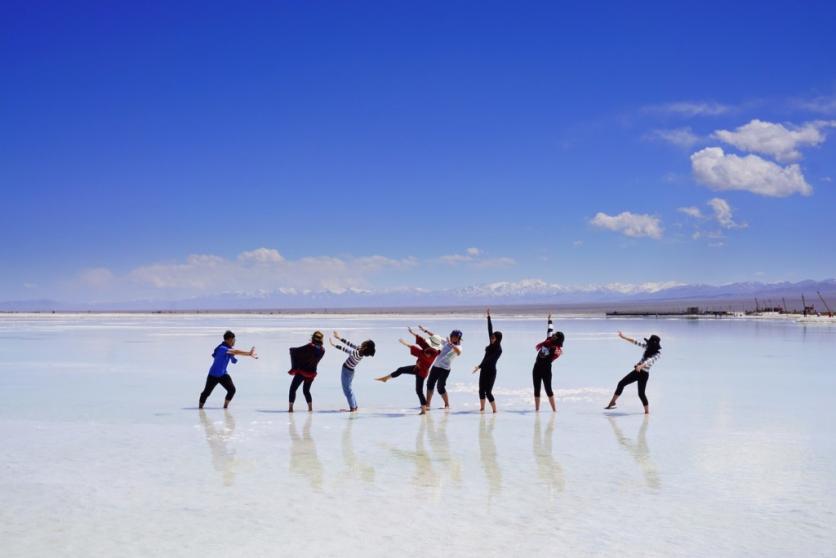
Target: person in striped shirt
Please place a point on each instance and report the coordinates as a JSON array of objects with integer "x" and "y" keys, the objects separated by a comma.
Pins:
[
  {"x": 641, "y": 371},
  {"x": 355, "y": 355}
]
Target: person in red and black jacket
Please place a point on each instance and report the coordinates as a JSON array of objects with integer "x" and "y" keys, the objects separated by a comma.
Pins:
[
  {"x": 547, "y": 352},
  {"x": 303, "y": 362},
  {"x": 425, "y": 353}
]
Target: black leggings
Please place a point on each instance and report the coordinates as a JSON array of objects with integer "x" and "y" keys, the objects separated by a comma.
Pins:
[
  {"x": 542, "y": 374},
  {"x": 299, "y": 380},
  {"x": 640, "y": 377},
  {"x": 486, "y": 381},
  {"x": 419, "y": 381},
  {"x": 438, "y": 374},
  {"x": 212, "y": 381}
]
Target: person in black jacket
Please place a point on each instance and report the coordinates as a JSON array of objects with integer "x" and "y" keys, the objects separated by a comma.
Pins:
[
  {"x": 303, "y": 362},
  {"x": 487, "y": 368}
]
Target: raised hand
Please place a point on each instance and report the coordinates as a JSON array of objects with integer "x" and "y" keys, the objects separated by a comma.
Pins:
[{"x": 337, "y": 335}]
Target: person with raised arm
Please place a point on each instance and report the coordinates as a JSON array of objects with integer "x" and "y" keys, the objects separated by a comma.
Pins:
[
  {"x": 425, "y": 353},
  {"x": 355, "y": 355},
  {"x": 222, "y": 355},
  {"x": 303, "y": 363},
  {"x": 641, "y": 371},
  {"x": 487, "y": 368},
  {"x": 450, "y": 348},
  {"x": 547, "y": 352}
]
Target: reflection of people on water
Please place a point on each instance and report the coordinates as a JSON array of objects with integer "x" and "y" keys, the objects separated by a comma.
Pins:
[
  {"x": 429, "y": 465},
  {"x": 354, "y": 467},
  {"x": 223, "y": 458},
  {"x": 303, "y": 459},
  {"x": 441, "y": 447},
  {"x": 425, "y": 476},
  {"x": 639, "y": 450},
  {"x": 548, "y": 469},
  {"x": 487, "y": 451}
]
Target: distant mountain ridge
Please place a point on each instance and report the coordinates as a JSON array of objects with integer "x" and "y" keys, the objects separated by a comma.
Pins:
[{"x": 524, "y": 292}]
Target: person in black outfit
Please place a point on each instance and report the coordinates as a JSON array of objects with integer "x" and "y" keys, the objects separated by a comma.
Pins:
[
  {"x": 547, "y": 352},
  {"x": 303, "y": 362},
  {"x": 487, "y": 368}
]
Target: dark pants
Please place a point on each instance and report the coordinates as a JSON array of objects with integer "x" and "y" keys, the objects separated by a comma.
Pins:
[
  {"x": 640, "y": 377},
  {"x": 542, "y": 374},
  {"x": 438, "y": 375},
  {"x": 212, "y": 381},
  {"x": 419, "y": 381},
  {"x": 486, "y": 381},
  {"x": 299, "y": 380}
]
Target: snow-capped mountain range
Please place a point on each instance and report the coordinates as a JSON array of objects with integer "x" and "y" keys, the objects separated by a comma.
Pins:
[{"x": 528, "y": 291}]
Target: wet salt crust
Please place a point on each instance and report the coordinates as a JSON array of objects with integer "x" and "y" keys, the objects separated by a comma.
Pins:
[{"x": 105, "y": 453}]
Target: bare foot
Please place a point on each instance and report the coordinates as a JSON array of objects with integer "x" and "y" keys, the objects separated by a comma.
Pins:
[{"x": 610, "y": 406}]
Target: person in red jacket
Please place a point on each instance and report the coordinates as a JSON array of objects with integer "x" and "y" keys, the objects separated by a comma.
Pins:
[
  {"x": 425, "y": 354},
  {"x": 303, "y": 362},
  {"x": 547, "y": 352}
]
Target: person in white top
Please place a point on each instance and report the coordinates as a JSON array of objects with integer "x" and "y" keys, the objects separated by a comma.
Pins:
[{"x": 451, "y": 348}]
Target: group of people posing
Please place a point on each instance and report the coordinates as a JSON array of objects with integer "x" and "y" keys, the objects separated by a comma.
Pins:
[{"x": 434, "y": 359}]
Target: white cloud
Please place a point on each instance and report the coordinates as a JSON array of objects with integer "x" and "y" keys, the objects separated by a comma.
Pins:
[
  {"x": 712, "y": 167},
  {"x": 689, "y": 108},
  {"x": 776, "y": 140},
  {"x": 261, "y": 256},
  {"x": 262, "y": 269},
  {"x": 96, "y": 277},
  {"x": 691, "y": 212},
  {"x": 629, "y": 224},
  {"x": 680, "y": 137},
  {"x": 475, "y": 257},
  {"x": 724, "y": 215},
  {"x": 823, "y": 104}
]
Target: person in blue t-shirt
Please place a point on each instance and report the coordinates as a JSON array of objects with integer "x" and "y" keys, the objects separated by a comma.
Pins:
[{"x": 223, "y": 354}]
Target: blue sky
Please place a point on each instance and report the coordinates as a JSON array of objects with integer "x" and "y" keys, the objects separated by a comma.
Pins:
[{"x": 154, "y": 150}]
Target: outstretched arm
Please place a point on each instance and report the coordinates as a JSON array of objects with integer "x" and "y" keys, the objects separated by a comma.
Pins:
[
  {"x": 405, "y": 343},
  {"x": 490, "y": 325},
  {"x": 236, "y": 352},
  {"x": 425, "y": 330},
  {"x": 631, "y": 340},
  {"x": 344, "y": 341}
]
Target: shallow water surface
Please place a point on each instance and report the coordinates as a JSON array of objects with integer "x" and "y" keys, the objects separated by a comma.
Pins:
[{"x": 105, "y": 453}]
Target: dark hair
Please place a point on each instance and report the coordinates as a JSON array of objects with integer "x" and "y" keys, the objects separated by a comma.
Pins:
[
  {"x": 497, "y": 346},
  {"x": 228, "y": 335},
  {"x": 653, "y": 346},
  {"x": 558, "y": 338},
  {"x": 367, "y": 348}
]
